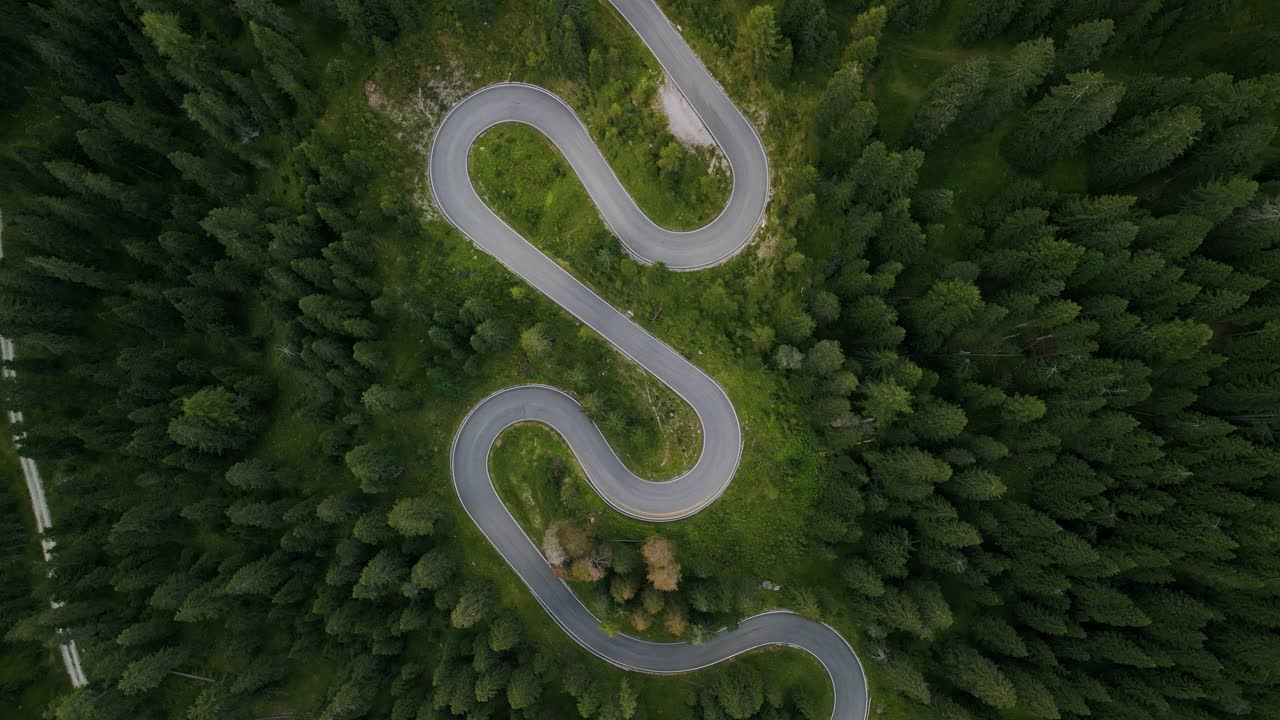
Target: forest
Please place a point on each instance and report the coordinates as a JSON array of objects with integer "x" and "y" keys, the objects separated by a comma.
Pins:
[{"x": 1006, "y": 351}]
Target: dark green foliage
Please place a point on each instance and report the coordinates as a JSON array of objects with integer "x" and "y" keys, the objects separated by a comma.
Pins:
[
  {"x": 212, "y": 420},
  {"x": 1145, "y": 145},
  {"x": 985, "y": 19},
  {"x": 740, "y": 690},
  {"x": 374, "y": 465},
  {"x": 806, "y": 24},
  {"x": 474, "y": 604},
  {"x": 414, "y": 516},
  {"x": 844, "y": 120},
  {"x": 956, "y": 91},
  {"x": 1062, "y": 121},
  {"x": 1084, "y": 45},
  {"x": 1237, "y": 150},
  {"x": 1216, "y": 200},
  {"x": 149, "y": 671},
  {"x": 1069, "y": 342},
  {"x": 1012, "y": 79},
  {"x": 1042, "y": 420},
  {"x": 909, "y": 15},
  {"x": 759, "y": 44}
]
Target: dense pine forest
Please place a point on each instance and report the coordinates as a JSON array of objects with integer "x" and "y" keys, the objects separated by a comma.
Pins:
[{"x": 1006, "y": 351}]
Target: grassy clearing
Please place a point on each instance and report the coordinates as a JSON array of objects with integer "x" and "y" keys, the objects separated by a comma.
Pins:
[
  {"x": 759, "y": 491},
  {"x": 758, "y": 529},
  {"x": 540, "y": 484},
  {"x": 908, "y": 63}
]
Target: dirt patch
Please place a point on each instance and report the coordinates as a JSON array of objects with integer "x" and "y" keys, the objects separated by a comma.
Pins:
[{"x": 683, "y": 122}]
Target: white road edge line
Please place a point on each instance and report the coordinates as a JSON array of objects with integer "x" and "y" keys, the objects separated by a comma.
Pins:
[{"x": 39, "y": 505}]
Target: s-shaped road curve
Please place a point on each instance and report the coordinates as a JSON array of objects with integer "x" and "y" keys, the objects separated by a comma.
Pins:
[{"x": 658, "y": 501}]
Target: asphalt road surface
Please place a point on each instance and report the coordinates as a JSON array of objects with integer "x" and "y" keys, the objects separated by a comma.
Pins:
[{"x": 656, "y": 501}]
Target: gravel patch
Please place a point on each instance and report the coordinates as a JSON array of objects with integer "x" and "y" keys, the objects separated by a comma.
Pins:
[{"x": 683, "y": 122}]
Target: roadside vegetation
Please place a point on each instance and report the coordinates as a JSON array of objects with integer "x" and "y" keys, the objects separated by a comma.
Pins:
[
  {"x": 31, "y": 672},
  {"x": 1004, "y": 351}
]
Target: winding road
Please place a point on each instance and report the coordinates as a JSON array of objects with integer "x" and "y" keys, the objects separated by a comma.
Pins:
[{"x": 721, "y": 437}]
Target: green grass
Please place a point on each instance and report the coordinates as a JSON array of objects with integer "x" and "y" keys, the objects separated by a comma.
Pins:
[
  {"x": 909, "y": 63},
  {"x": 508, "y": 158},
  {"x": 758, "y": 530},
  {"x": 763, "y": 488},
  {"x": 620, "y": 111},
  {"x": 969, "y": 163},
  {"x": 540, "y": 485}
]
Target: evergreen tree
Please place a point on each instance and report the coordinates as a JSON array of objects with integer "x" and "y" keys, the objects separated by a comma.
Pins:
[
  {"x": 414, "y": 516},
  {"x": 523, "y": 688},
  {"x": 952, "y": 94},
  {"x": 213, "y": 420},
  {"x": 435, "y": 569},
  {"x": 1085, "y": 44},
  {"x": 806, "y": 24},
  {"x": 843, "y": 120},
  {"x": 1145, "y": 145},
  {"x": 986, "y": 19},
  {"x": 504, "y": 633},
  {"x": 947, "y": 306},
  {"x": 760, "y": 47},
  {"x": 825, "y": 357},
  {"x": 1059, "y": 123},
  {"x": 739, "y": 690},
  {"x": 909, "y": 15},
  {"x": 474, "y": 604},
  {"x": 1216, "y": 200},
  {"x": 907, "y": 473},
  {"x": 374, "y": 465},
  {"x": 979, "y": 677},
  {"x": 382, "y": 576},
  {"x": 1012, "y": 79},
  {"x": 150, "y": 670}
]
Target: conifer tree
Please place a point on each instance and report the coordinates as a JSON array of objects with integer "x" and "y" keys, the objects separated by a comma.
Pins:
[
  {"x": 374, "y": 465},
  {"x": 739, "y": 690},
  {"x": 808, "y": 26},
  {"x": 414, "y": 516},
  {"x": 213, "y": 420},
  {"x": 1012, "y": 80},
  {"x": 150, "y": 670},
  {"x": 947, "y": 98},
  {"x": 1059, "y": 123},
  {"x": 978, "y": 676},
  {"x": 985, "y": 19},
  {"x": 1145, "y": 145},
  {"x": 759, "y": 46},
  {"x": 1085, "y": 44}
]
